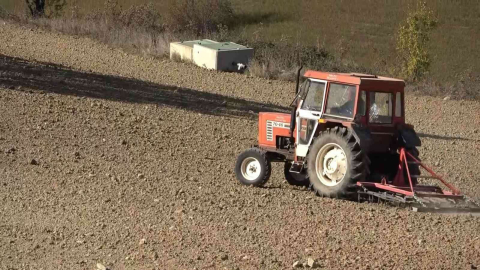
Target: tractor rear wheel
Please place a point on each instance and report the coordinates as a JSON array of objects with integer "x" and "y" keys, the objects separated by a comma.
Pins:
[
  {"x": 295, "y": 179},
  {"x": 335, "y": 161},
  {"x": 253, "y": 167}
]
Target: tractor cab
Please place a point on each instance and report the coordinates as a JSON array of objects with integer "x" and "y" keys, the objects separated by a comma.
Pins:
[
  {"x": 346, "y": 97},
  {"x": 364, "y": 100}
]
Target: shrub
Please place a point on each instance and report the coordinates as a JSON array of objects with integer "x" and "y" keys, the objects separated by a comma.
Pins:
[
  {"x": 111, "y": 11},
  {"x": 36, "y": 7},
  {"x": 142, "y": 16},
  {"x": 200, "y": 17},
  {"x": 55, "y": 8},
  {"x": 280, "y": 60},
  {"x": 412, "y": 42},
  {"x": 73, "y": 10},
  {"x": 3, "y": 13},
  {"x": 44, "y": 8}
]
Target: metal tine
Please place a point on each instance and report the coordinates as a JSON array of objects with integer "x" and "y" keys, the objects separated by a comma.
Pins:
[{"x": 424, "y": 176}]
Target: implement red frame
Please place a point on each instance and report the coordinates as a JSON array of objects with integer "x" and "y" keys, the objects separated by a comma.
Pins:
[{"x": 400, "y": 186}]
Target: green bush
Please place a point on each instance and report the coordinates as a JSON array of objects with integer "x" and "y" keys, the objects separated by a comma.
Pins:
[{"x": 412, "y": 42}]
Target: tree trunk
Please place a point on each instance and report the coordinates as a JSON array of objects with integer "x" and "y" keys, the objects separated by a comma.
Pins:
[{"x": 36, "y": 7}]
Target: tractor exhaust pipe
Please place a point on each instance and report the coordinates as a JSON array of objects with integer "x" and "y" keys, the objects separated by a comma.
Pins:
[
  {"x": 298, "y": 80},
  {"x": 294, "y": 109}
]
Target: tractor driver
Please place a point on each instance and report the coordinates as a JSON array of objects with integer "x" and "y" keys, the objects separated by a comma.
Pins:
[{"x": 344, "y": 101}]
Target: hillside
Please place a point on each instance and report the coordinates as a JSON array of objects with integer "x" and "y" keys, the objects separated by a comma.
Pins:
[
  {"x": 127, "y": 161},
  {"x": 355, "y": 31}
]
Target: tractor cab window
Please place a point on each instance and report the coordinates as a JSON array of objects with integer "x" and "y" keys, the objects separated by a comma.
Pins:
[
  {"x": 381, "y": 106},
  {"x": 314, "y": 98},
  {"x": 341, "y": 100},
  {"x": 398, "y": 105}
]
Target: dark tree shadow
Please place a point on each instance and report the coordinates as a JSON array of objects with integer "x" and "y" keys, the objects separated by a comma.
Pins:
[{"x": 17, "y": 72}]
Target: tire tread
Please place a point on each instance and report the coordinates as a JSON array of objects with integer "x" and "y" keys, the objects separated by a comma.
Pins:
[
  {"x": 358, "y": 160},
  {"x": 258, "y": 153}
]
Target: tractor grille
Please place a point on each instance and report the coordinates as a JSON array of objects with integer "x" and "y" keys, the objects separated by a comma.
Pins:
[{"x": 269, "y": 130}]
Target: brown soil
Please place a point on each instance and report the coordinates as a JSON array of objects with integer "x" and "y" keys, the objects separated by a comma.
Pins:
[{"x": 126, "y": 161}]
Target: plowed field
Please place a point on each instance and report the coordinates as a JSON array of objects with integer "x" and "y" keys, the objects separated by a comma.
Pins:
[{"x": 128, "y": 161}]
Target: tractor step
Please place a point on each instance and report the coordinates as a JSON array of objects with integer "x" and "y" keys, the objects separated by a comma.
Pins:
[{"x": 297, "y": 167}]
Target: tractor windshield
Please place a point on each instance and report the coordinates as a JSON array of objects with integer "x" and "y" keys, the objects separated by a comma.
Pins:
[
  {"x": 314, "y": 98},
  {"x": 341, "y": 100}
]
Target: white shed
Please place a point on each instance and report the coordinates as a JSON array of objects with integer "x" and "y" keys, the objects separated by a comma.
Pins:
[
  {"x": 225, "y": 56},
  {"x": 184, "y": 49}
]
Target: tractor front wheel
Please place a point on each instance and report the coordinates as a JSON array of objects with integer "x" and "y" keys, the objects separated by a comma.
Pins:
[
  {"x": 253, "y": 167},
  {"x": 335, "y": 161}
]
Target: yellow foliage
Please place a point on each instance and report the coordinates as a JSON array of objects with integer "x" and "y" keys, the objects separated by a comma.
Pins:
[{"x": 412, "y": 42}]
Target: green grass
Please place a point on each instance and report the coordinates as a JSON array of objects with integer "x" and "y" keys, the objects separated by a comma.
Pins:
[
  {"x": 364, "y": 31},
  {"x": 360, "y": 31},
  {"x": 11, "y": 5}
]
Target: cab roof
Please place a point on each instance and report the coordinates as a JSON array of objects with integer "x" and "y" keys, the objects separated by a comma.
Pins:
[{"x": 364, "y": 80}]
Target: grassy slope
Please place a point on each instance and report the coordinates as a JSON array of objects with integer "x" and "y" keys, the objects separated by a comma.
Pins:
[
  {"x": 359, "y": 30},
  {"x": 364, "y": 30}
]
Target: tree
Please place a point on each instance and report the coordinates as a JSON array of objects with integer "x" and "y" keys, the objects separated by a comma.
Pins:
[
  {"x": 36, "y": 7},
  {"x": 412, "y": 42},
  {"x": 42, "y": 8}
]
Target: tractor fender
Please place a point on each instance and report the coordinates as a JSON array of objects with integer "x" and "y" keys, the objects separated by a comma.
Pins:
[
  {"x": 362, "y": 135},
  {"x": 408, "y": 137}
]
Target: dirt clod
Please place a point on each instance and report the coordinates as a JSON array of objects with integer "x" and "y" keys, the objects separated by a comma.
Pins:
[
  {"x": 101, "y": 267},
  {"x": 311, "y": 263}
]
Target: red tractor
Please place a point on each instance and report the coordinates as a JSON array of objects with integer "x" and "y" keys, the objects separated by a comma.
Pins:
[{"x": 345, "y": 132}]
